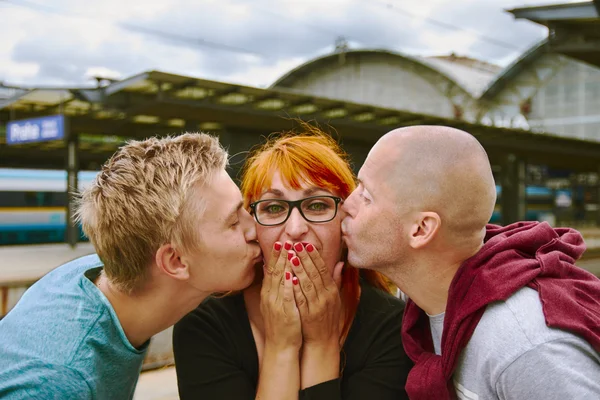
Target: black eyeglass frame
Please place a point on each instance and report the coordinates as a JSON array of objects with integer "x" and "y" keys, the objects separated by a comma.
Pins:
[{"x": 296, "y": 204}]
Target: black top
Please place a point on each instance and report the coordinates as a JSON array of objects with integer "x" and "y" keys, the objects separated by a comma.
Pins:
[{"x": 216, "y": 357}]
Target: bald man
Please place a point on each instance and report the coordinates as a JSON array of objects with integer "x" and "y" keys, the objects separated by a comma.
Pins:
[{"x": 493, "y": 312}]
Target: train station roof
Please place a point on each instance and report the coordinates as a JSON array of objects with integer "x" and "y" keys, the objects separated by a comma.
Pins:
[
  {"x": 574, "y": 28},
  {"x": 158, "y": 103}
]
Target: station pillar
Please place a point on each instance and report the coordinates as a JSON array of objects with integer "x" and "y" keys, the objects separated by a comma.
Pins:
[
  {"x": 513, "y": 189},
  {"x": 237, "y": 156},
  {"x": 72, "y": 188},
  {"x": 238, "y": 143}
]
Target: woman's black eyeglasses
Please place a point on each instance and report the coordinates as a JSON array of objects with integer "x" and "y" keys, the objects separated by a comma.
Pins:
[{"x": 272, "y": 212}]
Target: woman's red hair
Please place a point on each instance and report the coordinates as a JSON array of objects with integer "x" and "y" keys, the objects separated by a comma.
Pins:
[{"x": 315, "y": 157}]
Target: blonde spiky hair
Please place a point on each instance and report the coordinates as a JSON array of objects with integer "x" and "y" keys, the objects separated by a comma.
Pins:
[{"x": 141, "y": 199}]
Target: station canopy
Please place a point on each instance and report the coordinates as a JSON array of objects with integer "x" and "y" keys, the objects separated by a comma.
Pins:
[
  {"x": 574, "y": 28},
  {"x": 158, "y": 103}
]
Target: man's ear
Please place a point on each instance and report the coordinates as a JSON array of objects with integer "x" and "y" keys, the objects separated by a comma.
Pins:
[
  {"x": 171, "y": 262},
  {"x": 424, "y": 230}
]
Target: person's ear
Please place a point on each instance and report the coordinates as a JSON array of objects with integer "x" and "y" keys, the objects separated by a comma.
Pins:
[
  {"x": 424, "y": 230},
  {"x": 171, "y": 262}
]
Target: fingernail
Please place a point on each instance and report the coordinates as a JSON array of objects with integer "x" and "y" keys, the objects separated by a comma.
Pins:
[
  {"x": 277, "y": 246},
  {"x": 310, "y": 248},
  {"x": 298, "y": 247},
  {"x": 295, "y": 280},
  {"x": 290, "y": 255},
  {"x": 296, "y": 261},
  {"x": 287, "y": 246},
  {"x": 287, "y": 275}
]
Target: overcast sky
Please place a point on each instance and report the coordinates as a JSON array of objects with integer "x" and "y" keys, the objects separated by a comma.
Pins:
[{"x": 253, "y": 42}]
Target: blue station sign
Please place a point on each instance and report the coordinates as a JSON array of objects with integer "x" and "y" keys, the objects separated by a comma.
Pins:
[{"x": 35, "y": 130}]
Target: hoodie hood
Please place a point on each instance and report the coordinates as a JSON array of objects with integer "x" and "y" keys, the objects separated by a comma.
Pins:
[
  {"x": 511, "y": 257},
  {"x": 523, "y": 254},
  {"x": 533, "y": 237}
]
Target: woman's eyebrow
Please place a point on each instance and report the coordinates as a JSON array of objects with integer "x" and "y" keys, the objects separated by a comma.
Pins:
[
  {"x": 313, "y": 190},
  {"x": 276, "y": 192},
  {"x": 306, "y": 192}
]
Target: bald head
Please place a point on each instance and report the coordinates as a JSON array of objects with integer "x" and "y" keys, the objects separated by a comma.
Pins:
[{"x": 439, "y": 169}]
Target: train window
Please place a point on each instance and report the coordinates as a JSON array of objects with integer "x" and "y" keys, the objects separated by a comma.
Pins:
[
  {"x": 12, "y": 199},
  {"x": 33, "y": 199},
  {"x": 56, "y": 199}
]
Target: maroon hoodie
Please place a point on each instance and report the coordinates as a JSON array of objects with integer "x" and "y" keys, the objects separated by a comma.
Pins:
[{"x": 522, "y": 254}]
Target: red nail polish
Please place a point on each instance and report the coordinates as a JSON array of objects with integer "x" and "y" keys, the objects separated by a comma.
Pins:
[
  {"x": 295, "y": 280},
  {"x": 287, "y": 246},
  {"x": 287, "y": 275},
  {"x": 296, "y": 261},
  {"x": 298, "y": 247},
  {"x": 277, "y": 246},
  {"x": 290, "y": 255},
  {"x": 310, "y": 248}
]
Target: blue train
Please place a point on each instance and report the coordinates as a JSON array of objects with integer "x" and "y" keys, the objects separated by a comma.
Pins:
[
  {"x": 33, "y": 205},
  {"x": 541, "y": 202}
]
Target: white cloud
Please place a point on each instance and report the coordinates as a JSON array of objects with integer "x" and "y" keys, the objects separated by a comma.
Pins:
[
  {"x": 18, "y": 73},
  {"x": 64, "y": 41},
  {"x": 307, "y": 9},
  {"x": 459, "y": 42},
  {"x": 263, "y": 76},
  {"x": 102, "y": 72}
]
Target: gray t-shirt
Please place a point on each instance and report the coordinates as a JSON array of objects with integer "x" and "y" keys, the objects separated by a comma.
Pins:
[{"x": 513, "y": 354}]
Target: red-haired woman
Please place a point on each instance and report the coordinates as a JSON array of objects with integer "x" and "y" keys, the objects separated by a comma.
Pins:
[{"x": 309, "y": 327}]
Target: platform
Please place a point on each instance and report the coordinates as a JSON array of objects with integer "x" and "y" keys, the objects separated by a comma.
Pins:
[
  {"x": 160, "y": 384},
  {"x": 31, "y": 262}
]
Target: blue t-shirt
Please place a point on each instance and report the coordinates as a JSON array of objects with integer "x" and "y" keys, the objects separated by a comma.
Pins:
[{"x": 63, "y": 340}]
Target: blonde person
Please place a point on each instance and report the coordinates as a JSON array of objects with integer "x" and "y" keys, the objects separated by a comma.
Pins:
[
  {"x": 311, "y": 326},
  {"x": 158, "y": 214}
]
